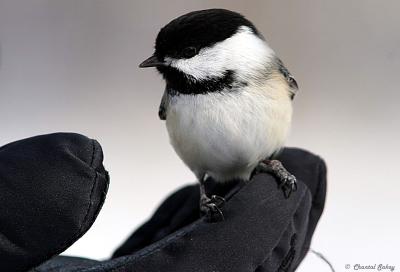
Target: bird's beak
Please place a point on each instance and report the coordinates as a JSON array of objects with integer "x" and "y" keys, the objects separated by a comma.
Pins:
[{"x": 153, "y": 61}]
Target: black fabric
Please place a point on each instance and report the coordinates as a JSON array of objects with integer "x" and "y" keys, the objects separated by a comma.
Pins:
[
  {"x": 263, "y": 224},
  {"x": 53, "y": 186},
  {"x": 311, "y": 169},
  {"x": 263, "y": 231},
  {"x": 51, "y": 189}
]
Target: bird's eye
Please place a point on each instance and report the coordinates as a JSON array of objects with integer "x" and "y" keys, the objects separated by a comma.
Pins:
[{"x": 189, "y": 52}]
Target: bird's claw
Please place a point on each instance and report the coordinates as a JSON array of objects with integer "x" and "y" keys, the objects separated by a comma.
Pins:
[
  {"x": 287, "y": 182},
  {"x": 218, "y": 200},
  {"x": 288, "y": 185},
  {"x": 211, "y": 208}
]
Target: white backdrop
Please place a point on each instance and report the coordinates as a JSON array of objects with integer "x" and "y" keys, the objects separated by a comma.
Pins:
[{"x": 71, "y": 65}]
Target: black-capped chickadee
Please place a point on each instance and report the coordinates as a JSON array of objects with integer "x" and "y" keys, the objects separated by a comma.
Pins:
[{"x": 228, "y": 98}]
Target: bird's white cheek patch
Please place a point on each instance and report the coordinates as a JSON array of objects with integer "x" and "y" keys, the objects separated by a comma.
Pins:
[
  {"x": 206, "y": 64},
  {"x": 243, "y": 53}
]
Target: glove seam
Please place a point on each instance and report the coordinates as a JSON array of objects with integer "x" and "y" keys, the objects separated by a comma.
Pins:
[
  {"x": 146, "y": 252},
  {"x": 284, "y": 230},
  {"x": 70, "y": 241}
]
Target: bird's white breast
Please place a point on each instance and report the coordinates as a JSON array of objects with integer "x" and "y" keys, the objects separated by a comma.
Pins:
[{"x": 225, "y": 134}]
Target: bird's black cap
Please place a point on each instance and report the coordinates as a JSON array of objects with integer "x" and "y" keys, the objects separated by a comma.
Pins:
[
  {"x": 184, "y": 36},
  {"x": 198, "y": 29}
]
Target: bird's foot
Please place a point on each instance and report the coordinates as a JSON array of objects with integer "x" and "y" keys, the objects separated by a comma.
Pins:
[
  {"x": 287, "y": 181},
  {"x": 211, "y": 208}
]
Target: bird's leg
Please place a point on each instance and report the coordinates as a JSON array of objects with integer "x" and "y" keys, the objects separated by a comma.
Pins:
[
  {"x": 287, "y": 182},
  {"x": 211, "y": 207}
]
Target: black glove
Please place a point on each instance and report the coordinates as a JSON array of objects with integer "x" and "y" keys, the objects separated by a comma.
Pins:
[
  {"x": 262, "y": 231},
  {"x": 56, "y": 184},
  {"x": 51, "y": 189}
]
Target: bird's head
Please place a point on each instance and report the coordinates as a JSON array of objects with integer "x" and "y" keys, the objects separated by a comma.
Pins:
[{"x": 208, "y": 50}]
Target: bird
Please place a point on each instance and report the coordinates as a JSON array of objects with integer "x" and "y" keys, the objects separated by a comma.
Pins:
[{"x": 227, "y": 102}]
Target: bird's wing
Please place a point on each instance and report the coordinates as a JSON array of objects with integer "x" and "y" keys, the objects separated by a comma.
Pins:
[
  {"x": 289, "y": 78},
  {"x": 162, "y": 110}
]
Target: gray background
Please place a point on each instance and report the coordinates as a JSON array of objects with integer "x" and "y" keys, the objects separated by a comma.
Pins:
[{"x": 72, "y": 66}]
